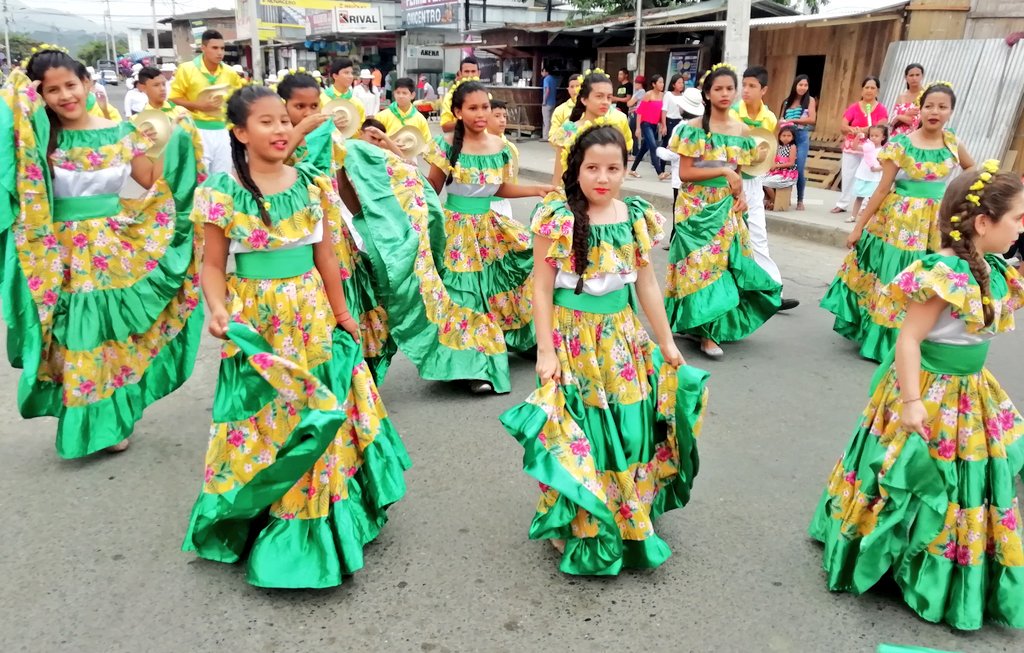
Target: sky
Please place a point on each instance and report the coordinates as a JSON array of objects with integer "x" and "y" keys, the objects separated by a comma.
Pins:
[{"x": 126, "y": 12}]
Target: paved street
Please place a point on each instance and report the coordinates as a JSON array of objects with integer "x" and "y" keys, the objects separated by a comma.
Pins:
[{"x": 91, "y": 548}]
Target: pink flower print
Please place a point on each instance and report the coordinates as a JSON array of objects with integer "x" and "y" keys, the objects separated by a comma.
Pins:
[
  {"x": 455, "y": 255},
  {"x": 958, "y": 280},
  {"x": 163, "y": 219},
  {"x": 31, "y": 94},
  {"x": 579, "y": 447},
  {"x": 151, "y": 265},
  {"x": 663, "y": 454},
  {"x": 907, "y": 283},
  {"x": 235, "y": 438},
  {"x": 67, "y": 165},
  {"x": 716, "y": 249},
  {"x": 100, "y": 263},
  {"x": 258, "y": 239},
  {"x": 625, "y": 511},
  {"x": 87, "y": 387},
  {"x": 208, "y": 474},
  {"x": 447, "y": 328},
  {"x": 288, "y": 515},
  {"x": 543, "y": 438},
  {"x": 545, "y": 229},
  {"x": 556, "y": 338},
  {"x": 963, "y": 555},
  {"x": 215, "y": 212},
  {"x": 543, "y": 488},
  {"x": 946, "y": 449},
  {"x": 345, "y": 274},
  {"x": 335, "y": 498},
  {"x": 262, "y": 361},
  {"x": 49, "y": 298},
  {"x": 950, "y": 550},
  {"x": 275, "y": 322},
  {"x": 200, "y": 178},
  {"x": 705, "y": 275},
  {"x": 965, "y": 404},
  {"x": 94, "y": 159},
  {"x": 310, "y": 388},
  {"x": 50, "y": 241},
  {"x": 80, "y": 241},
  {"x": 484, "y": 252},
  {"x": 628, "y": 372},
  {"x": 913, "y": 241},
  {"x": 34, "y": 172},
  {"x": 1009, "y": 521},
  {"x": 851, "y": 477},
  {"x": 311, "y": 491},
  {"x": 1006, "y": 420},
  {"x": 34, "y": 283},
  {"x": 191, "y": 302},
  {"x": 574, "y": 346}
]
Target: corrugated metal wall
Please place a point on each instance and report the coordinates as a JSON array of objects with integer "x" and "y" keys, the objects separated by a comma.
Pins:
[{"x": 988, "y": 77}]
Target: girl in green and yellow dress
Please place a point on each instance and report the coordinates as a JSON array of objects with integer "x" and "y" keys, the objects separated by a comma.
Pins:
[
  {"x": 610, "y": 432},
  {"x": 100, "y": 293},
  {"x": 898, "y": 225},
  {"x": 715, "y": 290},
  {"x": 303, "y": 461},
  {"x": 315, "y": 141},
  {"x": 925, "y": 490},
  {"x": 487, "y": 261}
]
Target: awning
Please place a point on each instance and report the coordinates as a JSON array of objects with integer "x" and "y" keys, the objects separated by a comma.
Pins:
[{"x": 840, "y": 17}]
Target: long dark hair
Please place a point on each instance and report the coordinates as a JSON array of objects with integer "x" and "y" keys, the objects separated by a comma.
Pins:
[
  {"x": 709, "y": 81},
  {"x": 672, "y": 84},
  {"x": 38, "y": 65},
  {"x": 805, "y": 99},
  {"x": 906, "y": 71},
  {"x": 576, "y": 200},
  {"x": 238, "y": 114},
  {"x": 585, "y": 88},
  {"x": 293, "y": 82},
  {"x": 994, "y": 201},
  {"x": 458, "y": 97}
]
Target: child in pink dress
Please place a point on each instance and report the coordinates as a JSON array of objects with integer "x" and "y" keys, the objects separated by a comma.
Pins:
[{"x": 869, "y": 172}]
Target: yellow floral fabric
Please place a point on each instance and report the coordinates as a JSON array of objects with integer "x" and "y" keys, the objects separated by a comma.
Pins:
[
  {"x": 480, "y": 169},
  {"x": 561, "y": 134},
  {"x": 695, "y": 143}
]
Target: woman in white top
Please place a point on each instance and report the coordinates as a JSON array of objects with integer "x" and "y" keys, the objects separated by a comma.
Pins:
[
  {"x": 366, "y": 94},
  {"x": 670, "y": 116}
]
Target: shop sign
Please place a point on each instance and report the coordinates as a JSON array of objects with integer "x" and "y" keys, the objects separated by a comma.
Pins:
[
  {"x": 425, "y": 13},
  {"x": 418, "y": 52},
  {"x": 320, "y": 22},
  {"x": 359, "y": 20}
]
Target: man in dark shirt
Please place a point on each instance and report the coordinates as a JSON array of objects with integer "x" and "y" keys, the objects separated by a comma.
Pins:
[{"x": 623, "y": 91}]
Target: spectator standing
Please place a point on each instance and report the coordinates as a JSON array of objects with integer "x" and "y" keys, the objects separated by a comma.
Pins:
[
  {"x": 801, "y": 111},
  {"x": 549, "y": 99},
  {"x": 906, "y": 115},
  {"x": 858, "y": 119}
]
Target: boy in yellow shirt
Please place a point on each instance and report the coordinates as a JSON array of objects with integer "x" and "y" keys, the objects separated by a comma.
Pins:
[
  {"x": 468, "y": 68},
  {"x": 401, "y": 113},
  {"x": 562, "y": 111},
  {"x": 190, "y": 80}
]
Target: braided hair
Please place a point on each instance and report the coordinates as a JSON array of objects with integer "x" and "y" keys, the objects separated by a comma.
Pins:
[
  {"x": 706, "y": 84},
  {"x": 458, "y": 98},
  {"x": 574, "y": 197},
  {"x": 585, "y": 88},
  {"x": 958, "y": 216},
  {"x": 937, "y": 88},
  {"x": 293, "y": 82},
  {"x": 38, "y": 65},
  {"x": 238, "y": 114}
]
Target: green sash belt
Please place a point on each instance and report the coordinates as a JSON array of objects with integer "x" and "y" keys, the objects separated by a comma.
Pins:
[
  {"x": 715, "y": 182},
  {"x": 612, "y": 302},
  {"x": 462, "y": 204},
  {"x": 928, "y": 190},
  {"x": 939, "y": 358},
  {"x": 275, "y": 264},
  {"x": 89, "y": 207},
  {"x": 210, "y": 125}
]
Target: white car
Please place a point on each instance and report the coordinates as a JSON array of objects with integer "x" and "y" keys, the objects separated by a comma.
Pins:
[{"x": 109, "y": 77}]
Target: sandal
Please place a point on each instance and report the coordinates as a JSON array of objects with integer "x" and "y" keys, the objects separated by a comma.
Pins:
[
  {"x": 850, "y": 219},
  {"x": 800, "y": 206},
  {"x": 836, "y": 209},
  {"x": 634, "y": 174},
  {"x": 120, "y": 446},
  {"x": 664, "y": 176}
]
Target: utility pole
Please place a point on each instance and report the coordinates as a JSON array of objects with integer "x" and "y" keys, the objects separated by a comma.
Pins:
[
  {"x": 638, "y": 38},
  {"x": 156, "y": 36},
  {"x": 737, "y": 33},
  {"x": 257, "y": 55},
  {"x": 107, "y": 27},
  {"x": 7, "y": 37}
]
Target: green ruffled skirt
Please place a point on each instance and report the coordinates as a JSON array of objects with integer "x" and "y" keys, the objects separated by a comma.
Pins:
[
  {"x": 939, "y": 514},
  {"x": 715, "y": 288},
  {"x": 612, "y": 447}
]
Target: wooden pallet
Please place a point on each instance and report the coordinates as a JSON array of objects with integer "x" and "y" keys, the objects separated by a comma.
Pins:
[{"x": 824, "y": 165}]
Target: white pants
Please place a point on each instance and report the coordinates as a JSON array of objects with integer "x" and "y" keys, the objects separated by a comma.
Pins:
[
  {"x": 502, "y": 206},
  {"x": 851, "y": 161},
  {"x": 758, "y": 228},
  {"x": 216, "y": 150},
  {"x": 546, "y": 112}
]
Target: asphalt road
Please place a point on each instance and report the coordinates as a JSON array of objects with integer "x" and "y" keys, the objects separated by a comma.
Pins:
[{"x": 91, "y": 559}]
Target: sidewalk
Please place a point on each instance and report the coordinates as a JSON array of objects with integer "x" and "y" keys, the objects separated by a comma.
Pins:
[{"x": 537, "y": 161}]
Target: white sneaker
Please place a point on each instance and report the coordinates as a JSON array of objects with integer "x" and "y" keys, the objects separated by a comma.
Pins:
[{"x": 712, "y": 351}]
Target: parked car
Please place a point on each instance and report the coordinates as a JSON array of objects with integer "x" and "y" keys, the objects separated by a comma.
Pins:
[{"x": 109, "y": 77}]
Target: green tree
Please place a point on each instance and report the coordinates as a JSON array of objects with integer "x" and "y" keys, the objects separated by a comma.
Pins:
[
  {"x": 21, "y": 46},
  {"x": 94, "y": 50}
]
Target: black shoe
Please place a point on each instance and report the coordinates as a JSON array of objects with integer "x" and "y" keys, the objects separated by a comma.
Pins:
[{"x": 788, "y": 304}]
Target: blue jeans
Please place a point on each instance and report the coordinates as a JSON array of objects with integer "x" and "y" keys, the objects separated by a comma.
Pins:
[
  {"x": 803, "y": 147},
  {"x": 632, "y": 130},
  {"x": 650, "y": 144}
]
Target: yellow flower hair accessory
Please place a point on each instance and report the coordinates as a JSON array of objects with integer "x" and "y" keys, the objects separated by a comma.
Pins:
[
  {"x": 955, "y": 235},
  {"x": 460, "y": 82},
  {"x": 955, "y": 219},
  {"x": 727, "y": 66},
  {"x": 973, "y": 199},
  {"x": 991, "y": 166},
  {"x": 986, "y": 301},
  {"x": 266, "y": 204},
  {"x": 586, "y": 127},
  {"x": 988, "y": 168},
  {"x": 928, "y": 87},
  {"x": 978, "y": 185},
  {"x": 593, "y": 71},
  {"x": 302, "y": 69}
]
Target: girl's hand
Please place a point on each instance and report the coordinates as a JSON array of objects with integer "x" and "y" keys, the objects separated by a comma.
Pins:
[
  {"x": 672, "y": 355},
  {"x": 219, "y": 320},
  {"x": 542, "y": 190},
  {"x": 851, "y": 240},
  {"x": 735, "y": 182},
  {"x": 311, "y": 122},
  {"x": 547, "y": 367},
  {"x": 876, "y": 168},
  {"x": 348, "y": 323},
  {"x": 739, "y": 204},
  {"x": 913, "y": 417}
]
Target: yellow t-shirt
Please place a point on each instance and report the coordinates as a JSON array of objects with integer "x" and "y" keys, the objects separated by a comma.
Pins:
[
  {"x": 192, "y": 77},
  {"x": 446, "y": 109},
  {"x": 561, "y": 113},
  {"x": 393, "y": 120},
  {"x": 764, "y": 119},
  {"x": 331, "y": 93},
  {"x": 92, "y": 107}
]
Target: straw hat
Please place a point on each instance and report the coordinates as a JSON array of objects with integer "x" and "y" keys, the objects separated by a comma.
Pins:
[
  {"x": 691, "y": 102},
  {"x": 168, "y": 67},
  {"x": 410, "y": 140},
  {"x": 344, "y": 114},
  {"x": 767, "y": 144},
  {"x": 153, "y": 120},
  {"x": 217, "y": 91},
  {"x": 365, "y": 74}
]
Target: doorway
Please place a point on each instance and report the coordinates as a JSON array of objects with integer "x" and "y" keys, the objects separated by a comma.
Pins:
[{"x": 814, "y": 67}]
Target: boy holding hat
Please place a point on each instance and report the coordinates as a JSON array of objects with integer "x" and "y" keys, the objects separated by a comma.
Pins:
[{"x": 402, "y": 113}]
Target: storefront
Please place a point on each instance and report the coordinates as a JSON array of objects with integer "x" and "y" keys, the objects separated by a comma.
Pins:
[{"x": 369, "y": 33}]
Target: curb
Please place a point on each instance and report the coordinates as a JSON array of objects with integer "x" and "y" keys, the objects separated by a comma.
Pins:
[{"x": 778, "y": 223}]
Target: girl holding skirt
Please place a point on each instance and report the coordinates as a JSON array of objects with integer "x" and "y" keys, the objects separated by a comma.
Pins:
[
  {"x": 898, "y": 225},
  {"x": 100, "y": 293},
  {"x": 715, "y": 290},
  {"x": 303, "y": 461},
  {"x": 487, "y": 260},
  {"x": 610, "y": 432},
  {"x": 926, "y": 488}
]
